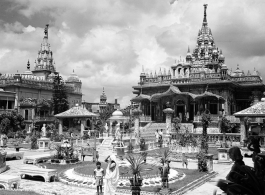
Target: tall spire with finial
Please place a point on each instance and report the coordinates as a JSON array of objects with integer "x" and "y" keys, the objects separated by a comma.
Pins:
[
  {"x": 28, "y": 65},
  {"x": 46, "y": 31},
  {"x": 205, "y": 15}
]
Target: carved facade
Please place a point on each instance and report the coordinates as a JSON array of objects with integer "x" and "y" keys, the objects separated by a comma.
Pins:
[
  {"x": 34, "y": 89},
  {"x": 203, "y": 70}
]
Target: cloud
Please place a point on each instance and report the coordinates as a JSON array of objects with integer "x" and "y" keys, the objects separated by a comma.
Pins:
[{"x": 107, "y": 42}]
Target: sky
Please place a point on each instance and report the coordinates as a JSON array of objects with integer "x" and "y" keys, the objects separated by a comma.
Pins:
[{"x": 107, "y": 42}]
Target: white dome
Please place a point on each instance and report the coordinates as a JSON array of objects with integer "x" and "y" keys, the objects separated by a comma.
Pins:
[{"x": 117, "y": 113}]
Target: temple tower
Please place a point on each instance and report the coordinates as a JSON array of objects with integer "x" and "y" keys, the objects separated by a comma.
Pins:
[{"x": 45, "y": 62}]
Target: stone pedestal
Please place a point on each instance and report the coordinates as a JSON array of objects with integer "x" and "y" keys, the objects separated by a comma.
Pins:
[
  {"x": 44, "y": 143},
  {"x": 168, "y": 112},
  {"x": 223, "y": 156},
  {"x": 209, "y": 158},
  {"x": 2, "y": 161}
]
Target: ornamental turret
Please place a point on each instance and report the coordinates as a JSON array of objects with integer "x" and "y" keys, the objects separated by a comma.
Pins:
[
  {"x": 142, "y": 77},
  {"x": 188, "y": 56},
  {"x": 221, "y": 57},
  {"x": 103, "y": 101}
]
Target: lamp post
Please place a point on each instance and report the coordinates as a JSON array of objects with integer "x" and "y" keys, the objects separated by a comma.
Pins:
[{"x": 95, "y": 140}]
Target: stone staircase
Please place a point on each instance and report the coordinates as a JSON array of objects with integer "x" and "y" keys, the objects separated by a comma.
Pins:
[
  {"x": 105, "y": 148},
  {"x": 148, "y": 132}
]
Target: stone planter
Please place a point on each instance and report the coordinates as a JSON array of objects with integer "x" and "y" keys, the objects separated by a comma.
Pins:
[{"x": 223, "y": 156}]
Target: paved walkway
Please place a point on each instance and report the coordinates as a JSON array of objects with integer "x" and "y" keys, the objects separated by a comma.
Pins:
[{"x": 59, "y": 188}]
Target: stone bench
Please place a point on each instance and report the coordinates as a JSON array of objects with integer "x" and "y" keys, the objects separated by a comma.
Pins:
[
  {"x": 32, "y": 171},
  {"x": 13, "y": 154},
  {"x": 9, "y": 181},
  {"x": 34, "y": 159}
]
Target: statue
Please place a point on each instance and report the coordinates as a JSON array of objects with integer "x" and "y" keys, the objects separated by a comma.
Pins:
[
  {"x": 43, "y": 130},
  {"x": 118, "y": 132}
]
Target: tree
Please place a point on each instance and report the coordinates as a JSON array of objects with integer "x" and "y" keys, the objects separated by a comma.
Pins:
[
  {"x": 59, "y": 99},
  {"x": 202, "y": 162},
  {"x": 176, "y": 123},
  {"x": 206, "y": 119},
  {"x": 11, "y": 122}
]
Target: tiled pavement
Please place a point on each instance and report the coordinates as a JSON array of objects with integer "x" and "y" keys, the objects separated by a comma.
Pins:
[{"x": 63, "y": 189}]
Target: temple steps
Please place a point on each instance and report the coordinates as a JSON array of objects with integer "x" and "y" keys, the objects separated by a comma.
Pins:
[{"x": 148, "y": 132}]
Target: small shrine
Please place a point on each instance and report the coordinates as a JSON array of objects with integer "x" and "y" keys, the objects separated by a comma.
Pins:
[
  {"x": 76, "y": 114},
  {"x": 253, "y": 119}
]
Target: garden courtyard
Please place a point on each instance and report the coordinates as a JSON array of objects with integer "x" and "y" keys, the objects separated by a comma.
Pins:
[{"x": 41, "y": 187}]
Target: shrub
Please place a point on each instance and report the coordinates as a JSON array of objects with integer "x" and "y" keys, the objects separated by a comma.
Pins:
[{"x": 202, "y": 162}]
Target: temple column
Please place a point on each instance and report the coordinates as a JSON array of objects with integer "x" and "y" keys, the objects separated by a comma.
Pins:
[
  {"x": 137, "y": 114},
  {"x": 151, "y": 110},
  {"x": 242, "y": 130},
  {"x": 60, "y": 126},
  {"x": 110, "y": 128},
  {"x": 168, "y": 112},
  {"x": 256, "y": 96},
  {"x": 82, "y": 126}
]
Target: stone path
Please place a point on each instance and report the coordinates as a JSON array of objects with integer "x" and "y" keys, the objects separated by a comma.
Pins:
[{"x": 59, "y": 188}]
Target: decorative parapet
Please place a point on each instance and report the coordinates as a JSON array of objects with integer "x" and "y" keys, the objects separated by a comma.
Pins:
[
  {"x": 202, "y": 77},
  {"x": 25, "y": 102}
]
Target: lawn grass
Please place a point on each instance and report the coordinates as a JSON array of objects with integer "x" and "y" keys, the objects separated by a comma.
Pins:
[
  {"x": 18, "y": 192},
  {"x": 191, "y": 175},
  {"x": 147, "y": 169},
  {"x": 61, "y": 168}
]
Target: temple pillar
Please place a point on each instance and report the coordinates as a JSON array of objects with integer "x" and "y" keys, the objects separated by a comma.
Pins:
[
  {"x": 137, "y": 114},
  {"x": 256, "y": 96},
  {"x": 110, "y": 128},
  {"x": 60, "y": 126},
  {"x": 83, "y": 122},
  {"x": 168, "y": 112},
  {"x": 242, "y": 130}
]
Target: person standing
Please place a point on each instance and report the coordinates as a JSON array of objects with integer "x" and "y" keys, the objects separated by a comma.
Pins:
[
  {"x": 98, "y": 174},
  {"x": 112, "y": 175},
  {"x": 157, "y": 135}
]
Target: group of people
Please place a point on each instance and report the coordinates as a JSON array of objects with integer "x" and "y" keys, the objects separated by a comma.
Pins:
[
  {"x": 243, "y": 179},
  {"x": 159, "y": 134},
  {"x": 111, "y": 176}
]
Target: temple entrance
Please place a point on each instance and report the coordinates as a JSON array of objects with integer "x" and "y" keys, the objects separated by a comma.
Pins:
[
  {"x": 180, "y": 112},
  {"x": 153, "y": 113},
  {"x": 191, "y": 113}
]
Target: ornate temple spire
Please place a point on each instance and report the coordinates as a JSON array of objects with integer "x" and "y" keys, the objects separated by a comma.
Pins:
[
  {"x": 205, "y": 15},
  {"x": 28, "y": 65},
  {"x": 45, "y": 61}
]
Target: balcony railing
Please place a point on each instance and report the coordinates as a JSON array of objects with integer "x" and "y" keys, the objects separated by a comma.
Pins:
[
  {"x": 44, "y": 118},
  {"x": 5, "y": 110}
]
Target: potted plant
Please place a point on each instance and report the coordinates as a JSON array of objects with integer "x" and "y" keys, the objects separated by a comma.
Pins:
[
  {"x": 136, "y": 163},
  {"x": 164, "y": 168}
]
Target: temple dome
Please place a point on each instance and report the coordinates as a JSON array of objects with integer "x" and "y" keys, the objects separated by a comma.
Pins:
[
  {"x": 73, "y": 78},
  {"x": 117, "y": 113}
]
